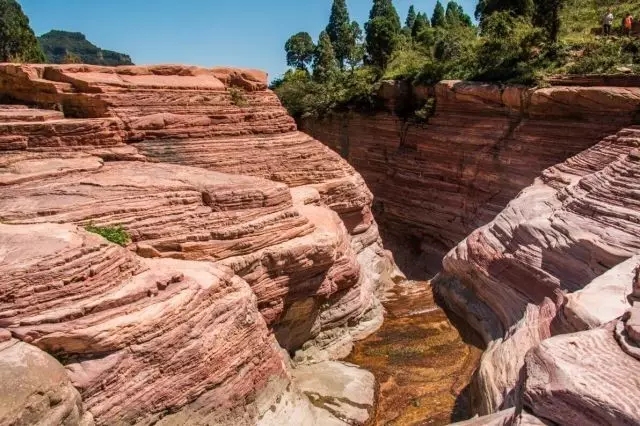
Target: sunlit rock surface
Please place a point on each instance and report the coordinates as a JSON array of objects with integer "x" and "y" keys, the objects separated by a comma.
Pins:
[
  {"x": 256, "y": 238},
  {"x": 437, "y": 181},
  {"x": 561, "y": 258}
]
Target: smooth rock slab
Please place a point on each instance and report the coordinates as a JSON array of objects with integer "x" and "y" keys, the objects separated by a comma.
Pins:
[
  {"x": 583, "y": 379},
  {"x": 340, "y": 390},
  {"x": 35, "y": 389}
]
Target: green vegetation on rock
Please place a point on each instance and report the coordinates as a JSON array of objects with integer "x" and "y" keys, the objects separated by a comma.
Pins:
[
  {"x": 238, "y": 97},
  {"x": 516, "y": 41},
  {"x": 115, "y": 234},
  {"x": 18, "y": 43},
  {"x": 60, "y": 46}
]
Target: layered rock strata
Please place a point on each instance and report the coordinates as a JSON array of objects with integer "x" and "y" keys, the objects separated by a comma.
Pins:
[
  {"x": 439, "y": 179},
  {"x": 561, "y": 260},
  {"x": 257, "y": 238}
]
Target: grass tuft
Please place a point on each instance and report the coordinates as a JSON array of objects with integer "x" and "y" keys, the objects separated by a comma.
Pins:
[{"x": 115, "y": 234}]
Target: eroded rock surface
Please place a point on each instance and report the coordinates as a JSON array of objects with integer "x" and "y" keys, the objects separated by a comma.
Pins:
[
  {"x": 256, "y": 238},
  {"x": 35, "y": 388},
  {"x": 561, "y": 258},
  {"x": 438, "y": 180}
]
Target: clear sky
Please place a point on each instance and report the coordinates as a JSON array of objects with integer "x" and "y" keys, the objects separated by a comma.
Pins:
[{"x": 244, "y": 33}]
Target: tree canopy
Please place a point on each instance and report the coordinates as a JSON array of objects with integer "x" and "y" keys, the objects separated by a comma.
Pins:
[
  {"x": 438, "y": 18},
  {"x": 18, "y": 43},
  {"x": 411, "y": 17},
  {"x": 382, "y": 31},
  {"x": 547, "y": 16},
  {"x": 422, "y": 23},
  {"x": 455, "y": 15},
  {"x": 324, "y": 63},
  {"x": 515, "y": 7},
  {"x": 520, "y": 41},
  {"x": 340, "y": 31},
  {"x": 300, "y": 50}
]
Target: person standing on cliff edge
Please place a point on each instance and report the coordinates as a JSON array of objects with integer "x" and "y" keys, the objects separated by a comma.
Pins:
[
  {"x": 627, "y": 24},
  {"x": 607, "y": 21}
]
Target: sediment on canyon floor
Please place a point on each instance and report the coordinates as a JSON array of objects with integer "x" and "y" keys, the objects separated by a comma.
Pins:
[
  {"x": 249, "y": 244},
  {"x": 533, "y": 193}
]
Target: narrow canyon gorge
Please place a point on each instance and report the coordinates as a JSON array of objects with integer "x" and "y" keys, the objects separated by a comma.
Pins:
[{"x": 255, "y": 280}]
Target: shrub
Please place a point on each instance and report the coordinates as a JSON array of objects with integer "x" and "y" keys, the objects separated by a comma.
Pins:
[
  {"x": 238, "y": 97},
  {"x": 605, "y": 56},
  {"x": 115, "y": 234}
]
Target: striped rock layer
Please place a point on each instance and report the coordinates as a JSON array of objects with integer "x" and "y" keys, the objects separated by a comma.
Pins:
[
  {"x": 246, "y": 238},
  {"x": 534, "y": 195},
  {"x": 551, "y": 283},
  {"x": 435, "y": 181}
]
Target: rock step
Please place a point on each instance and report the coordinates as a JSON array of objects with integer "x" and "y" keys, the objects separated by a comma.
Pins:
[
  {"x": 25, "y": 114},
  {"x": 57, "y": 132}
]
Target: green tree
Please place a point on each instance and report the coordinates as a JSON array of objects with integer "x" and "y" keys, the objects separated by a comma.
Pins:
[
  {"x": 324, "y": 64},
  {"x": 438, "y": 18},
  {"x": 422, "y": 23},
  {"x": 18, "y": 43},
  {"x": 339, "y": 30},
  {"x": 356, "y": 53},
  {"x": 382, "y": 32},
  {"x": 300, "y": 50},
  {"x": 515, "y": 7},
  {"x": 547, "y": 16},
  {"x": 411, "y": 17},
  {"x": 385, "y": 8},
  {"x": 455, "y": 15}
]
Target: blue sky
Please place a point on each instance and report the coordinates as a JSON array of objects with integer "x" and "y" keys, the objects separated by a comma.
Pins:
[{"x": 244, "y": 33}]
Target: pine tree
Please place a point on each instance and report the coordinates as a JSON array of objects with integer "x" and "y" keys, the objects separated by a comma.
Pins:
[
  {"x": 382, "y": 32},
  {"x": 422, "y": 23},
  {"x": 438, "y": 18},
  {"x": 356, "y": 54},
  {"x": 339, "y": 31},
  {"x": 300, "y": 50},
  {"x": 386, "y": 9},
  {"x": 18, "y": 43},
  {"x": 324, "y": 64},
  {"x": 515, "y": 7},
  {"x": 411, "y": 17},
  {"x": 455, "y": 15},
  {"x": 547, "y": 16}
]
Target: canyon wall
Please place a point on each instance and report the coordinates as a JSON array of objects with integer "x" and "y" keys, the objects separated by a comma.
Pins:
[
  {"x": 437, "y": 180},
  {"x": 545, "y": 182},
  {"x": 249, "y": 242}
]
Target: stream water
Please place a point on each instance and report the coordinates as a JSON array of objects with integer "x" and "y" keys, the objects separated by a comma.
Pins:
[{"x": 420, "y": 359}]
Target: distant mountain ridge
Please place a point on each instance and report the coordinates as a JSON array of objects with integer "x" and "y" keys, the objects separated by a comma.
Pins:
[{"x": 64, "y": 47}]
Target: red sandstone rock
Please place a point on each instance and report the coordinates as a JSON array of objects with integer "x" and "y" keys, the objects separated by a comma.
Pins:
[
  {"x": 35, "y": 388},
  {"x": 583, "y": 379},
  {"x": 160, "y": 333},
  {"x": 118, "y": 318},
  {"x": 554, "y": 262},
  {"x": 437, "y": 182}
]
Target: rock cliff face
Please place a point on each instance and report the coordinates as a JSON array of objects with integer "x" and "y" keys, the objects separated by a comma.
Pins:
[
  {"x": 246, "y": 237},
  {"x": 436, "y": 181},
  {"x": 561, "y": 260},
  {"x": 549, "y": 277}
]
